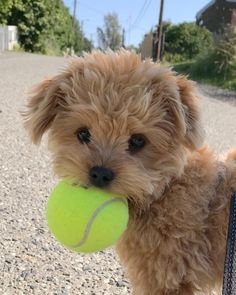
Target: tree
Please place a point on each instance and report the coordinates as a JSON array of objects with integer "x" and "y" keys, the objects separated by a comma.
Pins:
[
  {"x": 5, "y": 6},
  {"x": 110, "y": 36},
  {"x": 44, "y": 25},
  {"x": 132, "y": 48},
  {"x": 81, "y": 43},
  {"x": 31, "y": 19},
  {"x": 187, "y": 40}
]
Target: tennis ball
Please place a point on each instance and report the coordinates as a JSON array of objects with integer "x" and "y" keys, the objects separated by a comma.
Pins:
[{"x": 86, "y": 219}]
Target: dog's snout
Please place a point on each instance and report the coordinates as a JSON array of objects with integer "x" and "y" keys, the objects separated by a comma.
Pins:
[{"x": 101, "y": 176}]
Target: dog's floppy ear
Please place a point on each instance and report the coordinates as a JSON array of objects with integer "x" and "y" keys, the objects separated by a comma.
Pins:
[
  {"x": 42, "y": 108},
  {"x": 194, "y": 133}
]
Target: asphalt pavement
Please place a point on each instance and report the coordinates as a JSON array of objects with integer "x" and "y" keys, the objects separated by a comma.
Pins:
[{"x": 31, "y": 262}]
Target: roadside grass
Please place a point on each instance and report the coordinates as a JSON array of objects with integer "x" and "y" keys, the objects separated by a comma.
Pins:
[{"x": 199, "y": 73}]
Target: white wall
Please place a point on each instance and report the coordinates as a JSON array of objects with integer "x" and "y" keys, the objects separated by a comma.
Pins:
[{"x": 8, "y": 37}]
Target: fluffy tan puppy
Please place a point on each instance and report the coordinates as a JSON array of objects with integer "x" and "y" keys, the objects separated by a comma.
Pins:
[{"x": 132, "y": 127}]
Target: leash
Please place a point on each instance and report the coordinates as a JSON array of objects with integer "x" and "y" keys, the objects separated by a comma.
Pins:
[{"x": 229, "y": 282}]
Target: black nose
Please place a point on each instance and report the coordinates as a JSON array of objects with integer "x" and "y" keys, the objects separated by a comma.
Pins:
[{"x": 101, "y": 176}]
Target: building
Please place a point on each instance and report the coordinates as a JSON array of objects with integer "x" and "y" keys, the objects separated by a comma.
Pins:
[
  {"x": 146, "y": 47},
  {"x": 217, "y": 14},
  {"x": 8, "y": 37}
]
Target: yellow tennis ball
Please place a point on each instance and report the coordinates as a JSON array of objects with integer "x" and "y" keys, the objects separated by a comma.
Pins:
[{"x": 86, "y": 219}]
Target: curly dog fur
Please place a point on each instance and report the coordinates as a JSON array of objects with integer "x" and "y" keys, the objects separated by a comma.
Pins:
[{"x": 178, "y": 190}]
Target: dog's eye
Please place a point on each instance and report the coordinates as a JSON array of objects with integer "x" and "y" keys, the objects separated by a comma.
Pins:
[
  {"x": 83, "y": 135},
  {"x": 136, "y": 142}
]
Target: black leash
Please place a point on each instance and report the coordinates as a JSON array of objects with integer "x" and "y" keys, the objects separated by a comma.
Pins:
[{"x": 229, "y": 283}]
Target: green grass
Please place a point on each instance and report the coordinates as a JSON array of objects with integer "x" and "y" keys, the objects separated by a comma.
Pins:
[{"x": 197, "y": 73}]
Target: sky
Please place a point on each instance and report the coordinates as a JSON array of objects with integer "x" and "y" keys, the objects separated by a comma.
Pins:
[{"x": 137, "y": 17}]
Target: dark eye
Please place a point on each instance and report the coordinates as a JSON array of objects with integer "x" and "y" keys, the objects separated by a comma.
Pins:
[
  {"x": 83, "y": 135},
  {"x": 136, "y": 142}
]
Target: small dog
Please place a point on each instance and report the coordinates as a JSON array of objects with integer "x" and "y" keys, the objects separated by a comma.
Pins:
[{"x": 132, "y": 127}]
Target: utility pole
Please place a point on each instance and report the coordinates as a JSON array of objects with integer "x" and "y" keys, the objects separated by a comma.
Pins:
[
  {"x": 74, "y": 13},
  {"x": 73, "y": 24},
  {"x": 123, "y": 38},
  {"x": 82, "y": 32},
  {"x": 159, "y": 32}
]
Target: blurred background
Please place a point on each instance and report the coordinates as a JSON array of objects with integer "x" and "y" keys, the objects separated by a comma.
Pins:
[{"x": 196, "y": 37}]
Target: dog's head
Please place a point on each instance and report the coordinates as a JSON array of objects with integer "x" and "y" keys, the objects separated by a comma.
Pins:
[{"x": 117, "y": 122}]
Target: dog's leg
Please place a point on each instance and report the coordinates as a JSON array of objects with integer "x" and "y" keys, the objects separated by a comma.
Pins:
[{"x": 184, "y": 289}]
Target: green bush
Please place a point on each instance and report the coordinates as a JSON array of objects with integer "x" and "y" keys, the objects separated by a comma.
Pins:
[
  {"x": 17, "y": 48},
  {"x": 225, "y": 53},
  {"x": 174, "y": 58},
  {"x": 220, "y": 60},
  {"x": 216, "y": 66},
  {"x": 204, "y": 65},
  {"x": 186, "y": 40}
]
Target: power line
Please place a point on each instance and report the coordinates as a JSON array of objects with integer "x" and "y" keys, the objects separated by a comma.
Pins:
[{"x": 141, "y": 14}]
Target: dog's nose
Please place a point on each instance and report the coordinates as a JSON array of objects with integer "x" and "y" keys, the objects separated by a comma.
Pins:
[{"x": 101, "y": 176}]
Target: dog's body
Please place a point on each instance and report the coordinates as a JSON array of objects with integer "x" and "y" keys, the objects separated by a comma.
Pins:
[
  {"x": 178, "y": 245},
  {"x": 133, "y": 127}
]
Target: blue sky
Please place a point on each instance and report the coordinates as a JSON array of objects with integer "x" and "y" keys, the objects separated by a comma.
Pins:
[{"x": 132, "y": 17}]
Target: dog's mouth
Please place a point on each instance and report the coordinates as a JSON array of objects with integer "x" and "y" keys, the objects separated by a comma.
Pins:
[
  {"x": 85, "y": 186},
  {"x": 78, "y": 183},
  {"x": 132, "y": 200}
]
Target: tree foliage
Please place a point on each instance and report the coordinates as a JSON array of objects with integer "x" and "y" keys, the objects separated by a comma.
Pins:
[
  {"x": 186, "y": 40},
  {"x": 43, "y": 25},
  {"x": 110, "y": 36}
]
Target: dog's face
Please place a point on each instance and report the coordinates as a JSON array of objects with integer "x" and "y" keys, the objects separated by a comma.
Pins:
[{"x": 117, "y": 123}]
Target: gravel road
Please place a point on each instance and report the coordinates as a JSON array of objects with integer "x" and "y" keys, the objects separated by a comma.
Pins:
[{"x": 31, "y": 262}]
